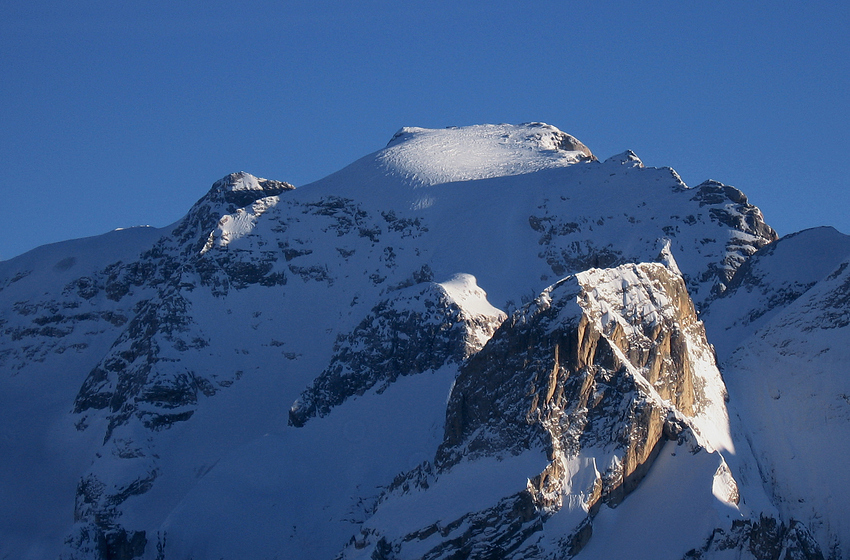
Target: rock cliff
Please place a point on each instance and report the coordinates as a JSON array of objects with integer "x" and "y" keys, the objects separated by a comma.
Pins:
[{"x": 596, "y": 375}]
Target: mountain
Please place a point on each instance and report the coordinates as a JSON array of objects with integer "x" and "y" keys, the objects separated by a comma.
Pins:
[
  {"x": 783, "y": 342},
  {"x": 477, "y": 342}
]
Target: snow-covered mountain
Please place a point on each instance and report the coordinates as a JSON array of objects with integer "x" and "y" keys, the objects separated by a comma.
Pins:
[
  {"x": 784, "y": 343},
  {"x": 477, "y": 342}
]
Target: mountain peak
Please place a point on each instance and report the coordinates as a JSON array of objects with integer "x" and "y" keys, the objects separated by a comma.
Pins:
[
  {"x": 626, "y": 158},
  {"x": 243, "y": 188},
  {"x": 433, "y": 156}
]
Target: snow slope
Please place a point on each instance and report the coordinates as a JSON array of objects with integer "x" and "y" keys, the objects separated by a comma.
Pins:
[
  {"x": 783, "y": 330},
  {"x": 771, "y": 280},
  {"x": 43, "y": 456},
  {"x": 422, "y": 157}
]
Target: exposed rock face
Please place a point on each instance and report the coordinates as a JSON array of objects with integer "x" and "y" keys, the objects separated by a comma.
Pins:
[
  {"x": 570, "y": 357},
  {"x": 598, "y": 372},
  {"x": 420, "y": 328}
]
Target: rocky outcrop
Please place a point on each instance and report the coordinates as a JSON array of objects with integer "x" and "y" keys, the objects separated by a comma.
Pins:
[
  {"x": 420, "y": 328},
  {"x": 761, "y": 539},
  {"x": 598, "y": 372},
  {"x": 569, "y": 359},
  {"x": 242, "y": 189}
]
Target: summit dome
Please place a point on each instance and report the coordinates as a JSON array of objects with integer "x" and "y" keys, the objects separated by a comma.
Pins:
[{"x": 433, "y": 156}]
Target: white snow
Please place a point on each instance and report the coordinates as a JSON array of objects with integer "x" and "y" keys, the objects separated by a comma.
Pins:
[
  {"x": 464, "y": 289},
  {"x": 790, "y": 384},
  {"x": 672, "y": 511},
  {"x": 424, "y": 157},
  {"x": 242, "y": 222}
]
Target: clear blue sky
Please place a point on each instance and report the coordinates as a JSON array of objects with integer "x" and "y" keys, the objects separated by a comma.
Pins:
[{"x": 115, "y": 114}]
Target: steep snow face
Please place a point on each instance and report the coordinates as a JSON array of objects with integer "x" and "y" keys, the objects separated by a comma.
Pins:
[
  {"x": 304, "y": 492},
  {"x": 789, "y": 382},
  {"x": 770, "y": 281},
  {"x": 55, "y": 324},
  {"x": 781, "y": 333},
  {"x": 781, "y": 336},
  {"x": 419, "y": 328}
]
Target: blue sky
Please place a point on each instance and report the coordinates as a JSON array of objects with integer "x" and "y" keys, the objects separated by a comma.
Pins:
[{"x": 118, "y": 114}]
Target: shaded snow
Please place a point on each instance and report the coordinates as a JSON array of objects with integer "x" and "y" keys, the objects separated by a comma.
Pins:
[
  {"x": 671, "y": 512},
  {"x": 771, "y": 280},
  {"x": 298, "y": 489},
  {"x": 790, "y": 383}
]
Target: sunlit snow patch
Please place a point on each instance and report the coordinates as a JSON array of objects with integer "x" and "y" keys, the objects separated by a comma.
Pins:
[{"x": 429, "y": 157}]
